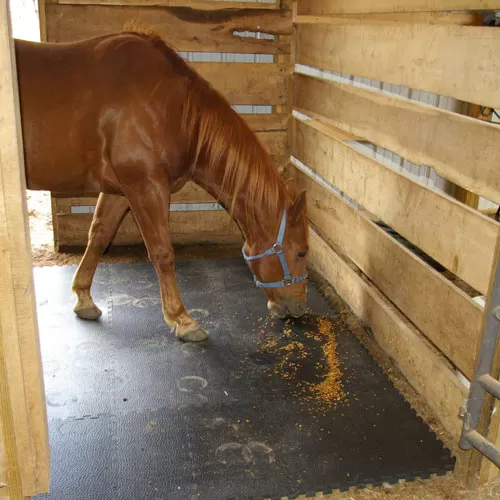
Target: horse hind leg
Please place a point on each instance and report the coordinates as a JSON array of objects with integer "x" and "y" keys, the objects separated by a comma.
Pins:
[{"x": 108, "y": 215}]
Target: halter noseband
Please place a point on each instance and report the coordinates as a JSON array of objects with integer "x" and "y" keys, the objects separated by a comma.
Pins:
[{"x": 276, "y": 249}]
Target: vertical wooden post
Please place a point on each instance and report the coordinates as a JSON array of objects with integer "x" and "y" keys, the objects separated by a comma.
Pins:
[
  {"x": 23, "y": 424},
  {"x": 481, "y": 470}
]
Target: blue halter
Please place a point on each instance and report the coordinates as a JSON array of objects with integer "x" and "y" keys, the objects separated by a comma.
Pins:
[{"x": 276, "y": 249}]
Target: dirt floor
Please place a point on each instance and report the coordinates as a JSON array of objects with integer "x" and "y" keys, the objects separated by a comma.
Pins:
[{"x": 442, "y": 488}]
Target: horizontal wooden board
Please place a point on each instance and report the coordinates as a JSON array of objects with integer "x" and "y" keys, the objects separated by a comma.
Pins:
[
  {"x": 267, "y": 122},
  {"x": 420, "y": 363},
  {"x": 193, "y": 4},
  {"x": 460, "y": 18},
  {"x": 183, "y": 28},
  {"x": 244, "y": 83},
  {"x": 437, "y": 307},
  {"x": 421, "y": 56},
  {"x": 321, "y": 7},
  {"x": 461, "y": 149},
  {"x": 460, "y": 238},
  {"x": 185, "y": 227}
]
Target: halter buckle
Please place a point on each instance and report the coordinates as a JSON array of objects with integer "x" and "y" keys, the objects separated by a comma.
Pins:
[{"x": 287, "y": 281}]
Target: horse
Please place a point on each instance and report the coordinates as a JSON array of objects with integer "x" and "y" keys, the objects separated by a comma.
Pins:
[{"x": 124, "y": 117}]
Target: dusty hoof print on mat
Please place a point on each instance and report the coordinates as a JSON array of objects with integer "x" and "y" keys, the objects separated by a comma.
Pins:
[
  {"x": 233, "y": 453},
  {"x": 189, "y": 350},
  {"x": 192, "y": 383},
  {"x": 90, "y": 313},
  {"x": 195, "y": 335}
]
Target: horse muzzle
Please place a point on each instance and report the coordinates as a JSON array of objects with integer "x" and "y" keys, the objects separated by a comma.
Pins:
[{"x": 289, "y": 308}]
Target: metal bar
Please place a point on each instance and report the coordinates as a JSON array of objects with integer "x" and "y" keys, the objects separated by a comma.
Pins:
[
  {"x": 491, "y": 385},
  {"x": 482, "y": 380},
  {"x": 484, "y": 446}
]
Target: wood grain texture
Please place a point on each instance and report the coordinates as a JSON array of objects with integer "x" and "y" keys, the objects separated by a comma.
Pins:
[
  {"x": 183, "y": 28},
  {"x": 194, "y": 4},
  {"x": 247, "y": 83},
  {"x": 435, "y": 306},
  {"x": 461, "y": 149},
  {"x": 425, "y": 369},
  {"x": 420, "y": 56},
  {"x": 459, "y": 18},
  {"x": 321, "y": 7},
  {"x": 458, "y": 237},
  {"x": 185, "y": 227},
  {"x": 22, "y": 399}
]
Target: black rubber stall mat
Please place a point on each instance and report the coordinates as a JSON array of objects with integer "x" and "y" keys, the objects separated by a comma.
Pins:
[{"x": 136, "y": 414}]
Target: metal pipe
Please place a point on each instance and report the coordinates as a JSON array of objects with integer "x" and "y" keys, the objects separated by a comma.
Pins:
[
  {"x": 484, "y": 446},
  {"x": 491, "y": 385}
]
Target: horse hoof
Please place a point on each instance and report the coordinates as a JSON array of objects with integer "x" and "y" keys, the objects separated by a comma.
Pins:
[
  {"x": 196, "y": 334},
  {"x": 91, "y": 313}
]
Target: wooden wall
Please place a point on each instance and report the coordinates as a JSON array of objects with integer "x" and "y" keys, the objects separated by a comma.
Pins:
[
  {"x": 421, "y": 318},
  {"x": 191, "y": 27}
]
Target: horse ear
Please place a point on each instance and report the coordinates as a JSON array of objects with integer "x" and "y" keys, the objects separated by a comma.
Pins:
[
  {"x": 298, "y": 206},
  {"x": 291, "y": 187}
]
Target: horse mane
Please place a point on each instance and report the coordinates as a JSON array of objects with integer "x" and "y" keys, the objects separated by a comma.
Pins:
[{"x": 220, "y": 136}]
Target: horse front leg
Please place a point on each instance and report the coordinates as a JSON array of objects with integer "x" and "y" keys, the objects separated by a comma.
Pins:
[
  {"x": 150, "y": 203},
  {"x": 108, "y": 215}
]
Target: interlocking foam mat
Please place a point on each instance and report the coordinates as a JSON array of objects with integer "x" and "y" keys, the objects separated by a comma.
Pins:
[{"x": 135, "y": 413}]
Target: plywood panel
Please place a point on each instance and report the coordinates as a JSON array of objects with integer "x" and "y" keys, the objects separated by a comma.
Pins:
[
  {"x": 320, "y": 7},
  {"x": 421, "y": 56},
  {"x": 463, "y": 150},
  {"x": 419, "y": 362},
  {"x": 183, "y": 28},
  {"x": 460, "y": 238},
  {"x": 186, "y": 227},
  {"x": 432, "y": 303}
]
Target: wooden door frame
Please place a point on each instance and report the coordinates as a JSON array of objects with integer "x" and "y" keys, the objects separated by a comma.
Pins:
[{"x": 24, "y": 444}]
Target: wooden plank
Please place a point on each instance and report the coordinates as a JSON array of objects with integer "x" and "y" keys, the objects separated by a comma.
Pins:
[
  {"x": 193, "y": 4},
  {"x": 186, "y": 227},
  {"x": 22, "y": 399},
  {"x": 459, "y": 18},
  {"x": 424, "y": 368},
  {"x": 267, "y": 122},
  {"x": 458, "y": 237},
  {"x": 247, "y": 83},
  {"x": 422, "y": 56},
  {"x": 461, "y": 149},
  {"x": 183, "y": 28},
  {"x": 436, "y": 307},
  {"x": 322, "y": 7}
]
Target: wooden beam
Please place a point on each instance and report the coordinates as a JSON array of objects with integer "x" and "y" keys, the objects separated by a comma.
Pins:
[
  {"x": 461, "y": 149},
  {"x": 458, "y": 237},
  {"x": 322, "y": 7},
  {"x": 436, "y": 307},
  {"x": 183, "y": 28},
  {"x": 422, "y": 56},
  {"x": 247, "y": 83},
  {"x": 424, "y": 368},
  {"x": 459, "y": 18},
  {"x": 22, "y": 399},
  {"x": 185, "y": 227},
  {"x": 193, "y": 4}
]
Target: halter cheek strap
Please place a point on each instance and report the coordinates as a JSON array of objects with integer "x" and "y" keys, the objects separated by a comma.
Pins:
[{"x": 276, "y": 249}]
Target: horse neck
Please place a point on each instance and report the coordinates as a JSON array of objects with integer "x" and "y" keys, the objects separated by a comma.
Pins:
[{"x": 260, "y": 225}]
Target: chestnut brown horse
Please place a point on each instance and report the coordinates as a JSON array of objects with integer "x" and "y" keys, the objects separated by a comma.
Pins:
[{"x": 125, "y": 117}]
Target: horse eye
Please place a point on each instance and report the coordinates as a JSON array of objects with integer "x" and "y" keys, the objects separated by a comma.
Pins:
[{"x": 302, "y": 254}]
